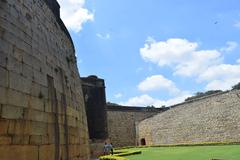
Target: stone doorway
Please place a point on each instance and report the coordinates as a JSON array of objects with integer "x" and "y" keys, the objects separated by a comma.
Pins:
[{"x": 143, "y": 142}]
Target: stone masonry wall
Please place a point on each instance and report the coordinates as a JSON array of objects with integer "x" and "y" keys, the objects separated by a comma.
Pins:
[
  {"x": 122, "y": 123},
  {"x": 42, "y": 114},
  {"x": 211, "y": 119}
]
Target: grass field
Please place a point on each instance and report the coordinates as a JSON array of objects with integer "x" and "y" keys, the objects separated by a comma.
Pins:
[{"x": 225, "y": 152}]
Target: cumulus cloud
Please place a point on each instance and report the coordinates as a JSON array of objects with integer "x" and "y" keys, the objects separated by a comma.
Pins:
[
  {"x": 198, "y": 62},
  {"x": 146, "y": 100},
  {"x": 222, "y": 76},
  {"x": 74, "y": 14},
  {"x": 158, "y": 82},
  {"x": 102, "y": 36},
  {"x": 181, "y": 54},
  {"x": 231, "y": 45},
  {"x": 185, "y": 59},
  {"x": 224, "y": 84},
  {"x": 172, "y": 51},
  {"x": 221, "y": 71}
]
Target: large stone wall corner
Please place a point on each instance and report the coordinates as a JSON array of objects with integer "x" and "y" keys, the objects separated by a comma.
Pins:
[{"x": 42, "y": 112}]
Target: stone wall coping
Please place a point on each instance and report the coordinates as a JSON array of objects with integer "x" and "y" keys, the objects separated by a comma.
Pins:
[
  {"x": 200, "y": 98},
  {"x": 134, "y": 109},
  {"x": 92, "y": 81}
]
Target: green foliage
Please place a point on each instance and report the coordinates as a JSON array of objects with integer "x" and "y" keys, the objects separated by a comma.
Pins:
[
  {"x": 202, "y": 94},
  {"x": 112, "y": 157},
  {"x": 237, "y": 86},
  {"x": 128, "y": 152},
  {"x": 151, "y": 106},
  {"x": 119, "y": 153}
]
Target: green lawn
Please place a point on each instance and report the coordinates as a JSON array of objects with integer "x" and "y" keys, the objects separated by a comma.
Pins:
[{"x": 225, "y": 152}]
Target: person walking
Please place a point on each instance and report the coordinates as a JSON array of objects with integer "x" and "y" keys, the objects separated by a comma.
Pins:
[{"x": 105, "y": 149}]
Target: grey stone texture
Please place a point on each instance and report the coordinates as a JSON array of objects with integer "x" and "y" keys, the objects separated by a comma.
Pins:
[
  {"x": 209, "y": 119},
  {"x": 42, "y": 113}
]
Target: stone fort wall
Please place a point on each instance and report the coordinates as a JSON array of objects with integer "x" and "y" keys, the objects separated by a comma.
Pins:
[
  {"x": 122, "y": 121},
  {"x": 42, "y": 113},
  {"x": 211, "y": 119}
]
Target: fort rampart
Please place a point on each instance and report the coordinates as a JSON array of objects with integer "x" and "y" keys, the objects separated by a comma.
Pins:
[
  {"x": 42, "y": 113},
  {"x": 214, "y": 118}
]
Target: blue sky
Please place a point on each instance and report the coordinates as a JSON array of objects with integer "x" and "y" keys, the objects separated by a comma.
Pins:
[{"x": 156, "y": 52}]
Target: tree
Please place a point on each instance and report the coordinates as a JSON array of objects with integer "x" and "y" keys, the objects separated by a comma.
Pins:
[{"x": 237, "y": 86}]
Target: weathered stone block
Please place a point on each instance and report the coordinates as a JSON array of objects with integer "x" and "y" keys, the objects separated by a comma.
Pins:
[
  {"x": 20, "y": 139},
  {"x": 12, "y": 112},
  {"x": 14, "y": 65},
  {"x": 71, "y": 121},
  {"x": 40, "y": 78},
  {"x": 16, "y": 127},
  {"x": 4, "y": 77},
  {"x": 3, "y": 59},
  {"x": 3, "y": 126},
  {"x": 27, "y": 71},
  {"x": 36, "y": 103},
  {"x": 3, "y": 95},
  {"x": 35, "y": 140},
  {"x": 5, "y": 140},
  {"x": 35, "y": 89},
  {"x": 35, "y": 115},
  {"x": 38, "y": 128},
  {"x": 16, "y": 82},
  {"x": 45, "y": 140},
  {"x": 46, "y": 152},
  {"x": 5, "y": 47},
  {"x": 18, "y": 54},
  {"x": 21, "y": 152},
  {"x": 17, "y": 98}
]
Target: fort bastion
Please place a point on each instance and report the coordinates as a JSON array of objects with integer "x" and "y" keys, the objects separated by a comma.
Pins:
[{"x": 42, "y": 113}]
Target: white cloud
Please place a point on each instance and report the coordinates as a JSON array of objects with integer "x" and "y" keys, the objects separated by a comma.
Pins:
[
  {"x": 187, "y": 60},
  {"x": 222, "y": 71},
  {"x": 165, "y": 53},
  {"x": 222, "y": 76},
  {"x": 158, "y": 82},
  {"x": 181, "y": 54},
  {"x": 146, "y": 100},
  {"x": 74, "y": 14},
  {"x": 118, "y": 95},
  {"x": 101, "y": 36},
  {"x": 198, "y": 63},
  {"x": 224, "y": 84},
  {"x": 231, "y": 45}
]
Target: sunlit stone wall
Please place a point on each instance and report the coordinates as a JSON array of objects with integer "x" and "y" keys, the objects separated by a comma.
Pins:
[
  {"x": 214, "y": 118},
  {"x": 42, "y": 113}
]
